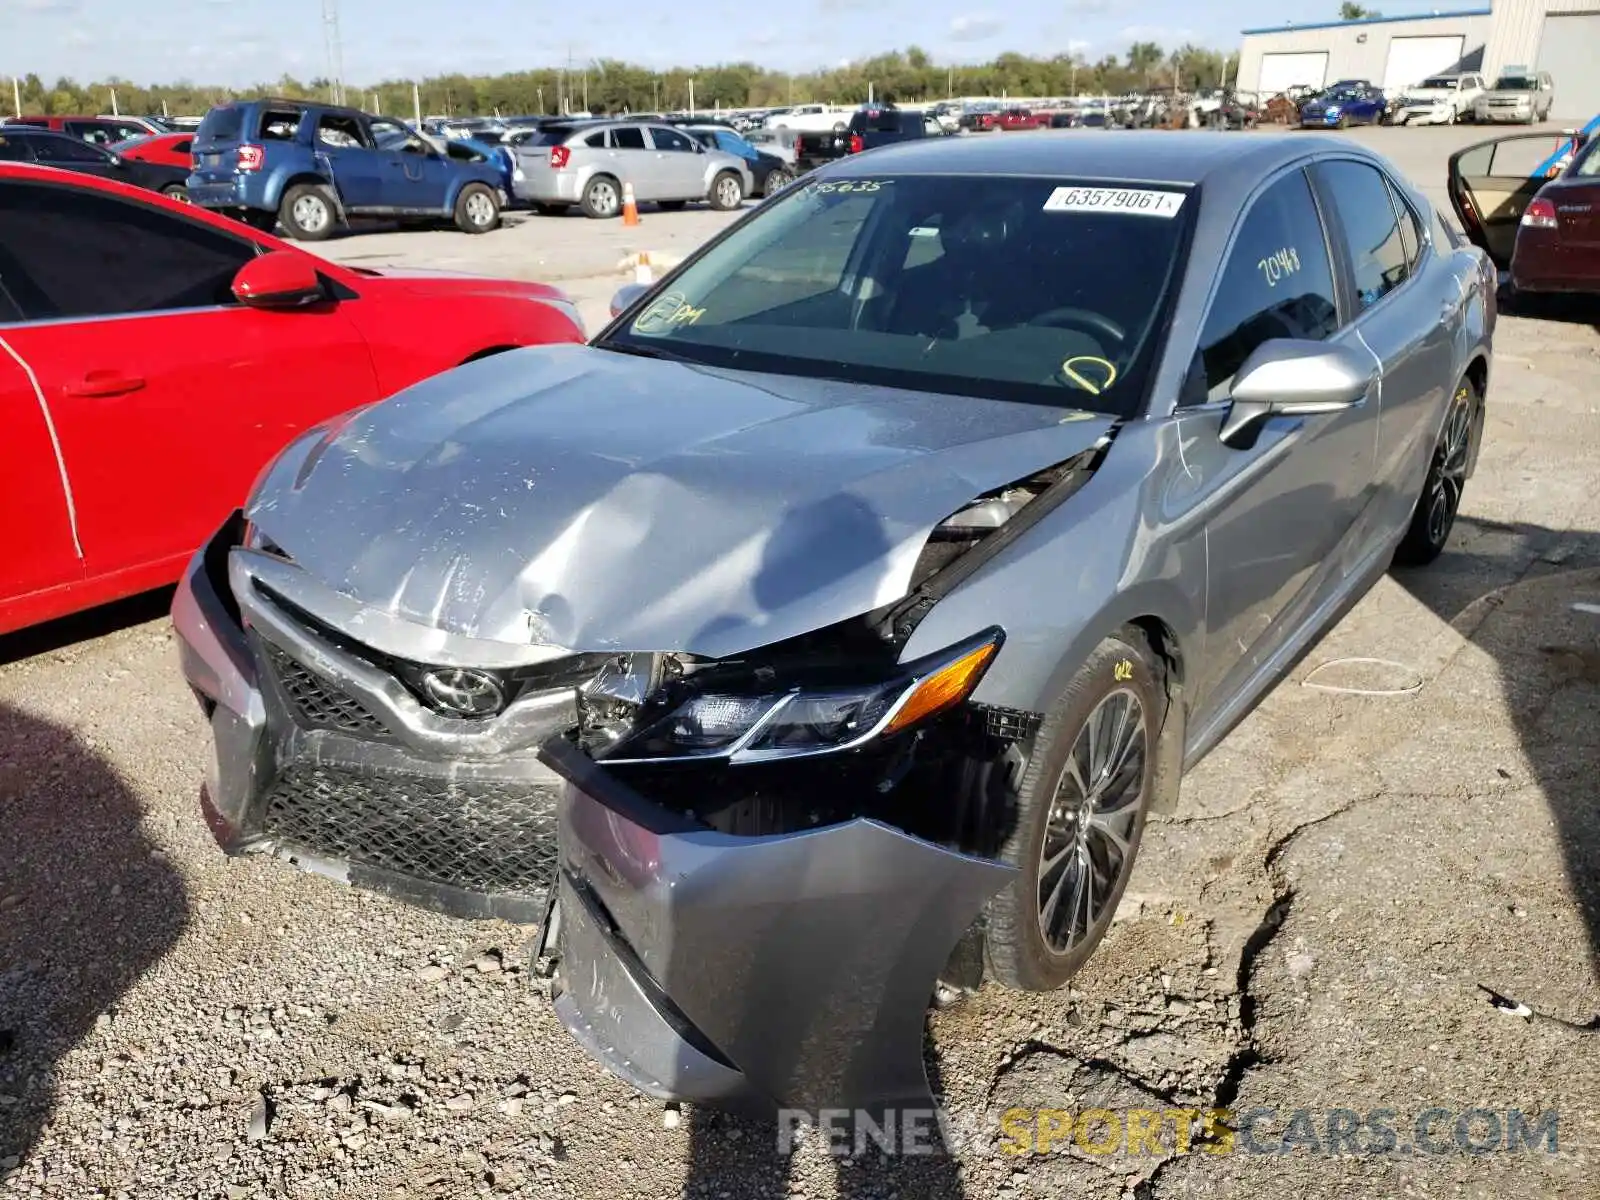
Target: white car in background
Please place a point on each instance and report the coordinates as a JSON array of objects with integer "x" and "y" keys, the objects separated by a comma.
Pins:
[
  {"x": 1439, "y": 100},
  {"x": 810, "y": 118}
]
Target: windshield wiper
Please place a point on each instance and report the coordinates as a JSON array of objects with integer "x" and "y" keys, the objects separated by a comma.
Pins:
[{"x": 648, "y": 352}]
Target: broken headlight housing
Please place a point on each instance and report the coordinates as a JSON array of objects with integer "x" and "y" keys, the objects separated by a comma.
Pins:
[{"x": 743, "y": 724}]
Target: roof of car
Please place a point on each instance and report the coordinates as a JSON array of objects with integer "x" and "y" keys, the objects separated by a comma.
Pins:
[{"x": 1176, "y": 157}]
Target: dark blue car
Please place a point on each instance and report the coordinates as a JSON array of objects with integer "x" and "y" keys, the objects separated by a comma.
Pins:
[
  {"x": 1349, "y": 102},
  {"x": 310, "y": 167}
]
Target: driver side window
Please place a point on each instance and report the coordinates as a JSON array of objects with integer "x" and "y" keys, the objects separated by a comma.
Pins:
[{"x": 1277, "y": 283}]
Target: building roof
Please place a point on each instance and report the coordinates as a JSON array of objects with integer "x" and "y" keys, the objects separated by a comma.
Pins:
[
  {"x": 1131, "y": 157},
  {"x": 1455, "y": 14}
]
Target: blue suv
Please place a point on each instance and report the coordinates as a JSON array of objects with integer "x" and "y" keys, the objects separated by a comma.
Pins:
[{"x": 310, "y": 167}]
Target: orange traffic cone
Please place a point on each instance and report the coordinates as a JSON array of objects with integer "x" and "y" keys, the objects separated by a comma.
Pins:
[
  {"x": 641, "y": 267},
  {"x": 630, "y": 209}
]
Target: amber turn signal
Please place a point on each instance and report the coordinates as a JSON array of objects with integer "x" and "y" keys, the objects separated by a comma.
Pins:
[{"x": 947, "y": 686}]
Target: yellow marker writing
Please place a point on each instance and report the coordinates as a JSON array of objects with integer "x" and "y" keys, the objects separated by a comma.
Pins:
[{"x": 1070, "y": 370}]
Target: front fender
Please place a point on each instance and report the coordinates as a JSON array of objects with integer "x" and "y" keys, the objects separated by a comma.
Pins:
[
  {"x": 1128, "y": 546},
  {"x": 489, "y": 176}
]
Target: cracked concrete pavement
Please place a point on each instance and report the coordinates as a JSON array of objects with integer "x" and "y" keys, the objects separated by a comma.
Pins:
[{"x": 1363, "y": 903}]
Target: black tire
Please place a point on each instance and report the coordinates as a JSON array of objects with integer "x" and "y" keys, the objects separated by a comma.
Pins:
[
  {"x": 777, "y": 179},
  {"x": 176, "y": 191},
  {"x": 477, "y": 209},
  {"x": 726, "y": 192},
  {"x": 672, "y": 205},
  {"x": 602, "y": 198},
  {"x": 1017, "y": 952},
  {"x": 1435, "y": 513},
  {"x": 308, "y": 199}
]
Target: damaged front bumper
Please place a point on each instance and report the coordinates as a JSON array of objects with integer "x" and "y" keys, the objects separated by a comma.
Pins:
[
  {"x": 755, "y": 973},
  {"x": 325, "y": 759},
  {"x": 757, "y": 952}
]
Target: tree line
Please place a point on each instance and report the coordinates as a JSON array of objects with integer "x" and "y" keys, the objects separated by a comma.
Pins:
[{"x": 610, "y": 85}]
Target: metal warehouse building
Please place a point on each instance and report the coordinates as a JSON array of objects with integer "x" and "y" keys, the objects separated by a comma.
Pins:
[{"x": 1559, "y": 36}]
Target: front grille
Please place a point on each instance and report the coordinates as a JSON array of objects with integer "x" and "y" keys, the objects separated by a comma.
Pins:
[
  {"x": 487, "y": 837},
  {"x": 319, "y": 704}
]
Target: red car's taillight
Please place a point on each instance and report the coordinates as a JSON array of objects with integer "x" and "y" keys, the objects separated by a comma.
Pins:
[
  {"x": 252, "y": 158},
  {"x": 856, "y": 143},
  {"x": 1540, "y": 214},
  {"x": 560, "y": 156}
]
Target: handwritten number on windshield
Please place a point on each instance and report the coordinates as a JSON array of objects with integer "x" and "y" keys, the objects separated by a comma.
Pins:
[{"x": 845, "y": 186}]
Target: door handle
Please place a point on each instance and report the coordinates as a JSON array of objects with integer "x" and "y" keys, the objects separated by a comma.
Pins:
[{"x": 104, "y": 383}]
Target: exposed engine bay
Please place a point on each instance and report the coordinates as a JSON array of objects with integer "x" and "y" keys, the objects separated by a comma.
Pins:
[{"x": 665, "y": 724}]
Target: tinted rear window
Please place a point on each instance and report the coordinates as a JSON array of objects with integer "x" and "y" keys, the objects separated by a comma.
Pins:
[{"x": 225, "y": 124}]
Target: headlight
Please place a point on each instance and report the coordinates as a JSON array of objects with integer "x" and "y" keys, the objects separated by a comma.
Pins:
[{"x": 761, "y": 724}]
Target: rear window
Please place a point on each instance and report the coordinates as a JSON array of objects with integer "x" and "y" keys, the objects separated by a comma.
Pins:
[
  {"x": 225, "y": 124},
  {"x": 1015, "y": 288},
  {"x": 279, "y": 124}
]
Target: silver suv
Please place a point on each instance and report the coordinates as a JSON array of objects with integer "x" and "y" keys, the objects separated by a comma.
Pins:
[
  {"x": 588, "y": 164},
  {"x": 1519, "y": 95}
]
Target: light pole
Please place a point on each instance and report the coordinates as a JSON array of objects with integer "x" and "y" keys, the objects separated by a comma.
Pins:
[{"x": 335, "y": 51}]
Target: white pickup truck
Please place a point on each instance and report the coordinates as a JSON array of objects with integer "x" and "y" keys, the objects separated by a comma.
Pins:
[{"x": 810, "y": 118}]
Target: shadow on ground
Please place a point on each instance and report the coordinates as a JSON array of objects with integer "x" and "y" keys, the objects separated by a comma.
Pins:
[
  {"x": 751, "y": 1159},
  {"x": 1547, "y": 656},
  {"x": 83, "y": 626},
  {"x": 87, "y": 905}
]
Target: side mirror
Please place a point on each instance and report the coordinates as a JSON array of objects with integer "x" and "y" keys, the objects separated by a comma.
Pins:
[
  {"x": 627, "y": 296},
  {"x": 278, "y": 279},
  {"x": 1289, "y": 377}
]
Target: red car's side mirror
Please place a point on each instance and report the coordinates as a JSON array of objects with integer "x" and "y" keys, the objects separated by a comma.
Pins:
[{"x": 278, "y": 279}]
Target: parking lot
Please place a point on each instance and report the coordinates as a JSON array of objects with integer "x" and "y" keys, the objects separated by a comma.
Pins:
[{"x": 1381, "y": 892}]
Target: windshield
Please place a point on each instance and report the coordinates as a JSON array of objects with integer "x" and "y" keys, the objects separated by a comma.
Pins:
[
  {"x": 1438, "y": 85},
  {"x": 1027, "y": 289},
  {"x": 1513, "y": 83}
]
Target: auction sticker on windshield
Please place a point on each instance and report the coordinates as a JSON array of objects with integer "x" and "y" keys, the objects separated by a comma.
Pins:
[{"x": 1139, "y": 201}]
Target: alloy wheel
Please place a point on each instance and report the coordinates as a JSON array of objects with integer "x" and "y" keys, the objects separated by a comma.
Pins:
[
  {"x": 604, "y": 197},
  {"x": 1086, "y": 847},
  {"x": 311, "y": 213},
  {"x": 480, "y": 210},
  {"x": 1448, "y": 475},
  {"x": 729, "y": 193}
]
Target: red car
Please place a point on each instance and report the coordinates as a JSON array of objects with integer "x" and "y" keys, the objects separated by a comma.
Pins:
[
  {"x": 168, "y": 149},
  {"x": 1532, "y": 202},
  {"x": 154, "y": 356},
  {"x": 1021, "y": 118},
  {"x": 101, "y": 131}
]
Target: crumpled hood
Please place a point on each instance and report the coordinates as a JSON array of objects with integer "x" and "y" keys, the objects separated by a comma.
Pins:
[{"x": 596, "y": 501}]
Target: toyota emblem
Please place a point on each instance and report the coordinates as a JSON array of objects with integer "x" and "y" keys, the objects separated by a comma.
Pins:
[{"x": 463, "y": 693}]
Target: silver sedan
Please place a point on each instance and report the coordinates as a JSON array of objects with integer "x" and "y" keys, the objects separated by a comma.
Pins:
[{"x": 848, "y": 604}]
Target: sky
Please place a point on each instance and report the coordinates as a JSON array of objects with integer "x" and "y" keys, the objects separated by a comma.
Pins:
[{"x": 239, "y": 42}]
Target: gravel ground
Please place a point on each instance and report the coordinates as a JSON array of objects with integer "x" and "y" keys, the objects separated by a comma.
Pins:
[{"x": 1314, "y": 929}]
